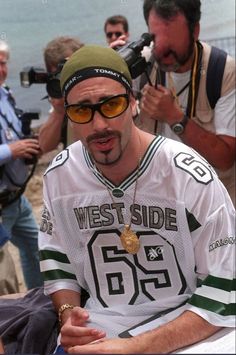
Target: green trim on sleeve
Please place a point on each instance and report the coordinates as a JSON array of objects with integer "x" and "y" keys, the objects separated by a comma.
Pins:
[
  {"x": 212, "y": 305},
  {"x": 54, "y": 255},
  {"x": 57, "y": 274},
  {"x": 220, "y": 283}
]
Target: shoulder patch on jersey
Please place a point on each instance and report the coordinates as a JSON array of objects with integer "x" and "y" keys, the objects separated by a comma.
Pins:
[
  {"x": 59, "y": 160},
  {"x": 194, "y": 166},
  {"x": 192, "y": 222}
]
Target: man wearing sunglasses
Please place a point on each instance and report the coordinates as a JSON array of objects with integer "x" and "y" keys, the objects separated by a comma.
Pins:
[
  {"x": 142, "y": 223},
  {"x": 116, "y": 27}
]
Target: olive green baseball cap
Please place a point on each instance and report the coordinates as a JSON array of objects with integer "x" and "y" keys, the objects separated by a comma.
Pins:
[{"x": 94, "y": 61}]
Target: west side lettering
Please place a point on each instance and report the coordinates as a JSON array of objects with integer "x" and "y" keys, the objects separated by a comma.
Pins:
[{"x": 102, "y": 216}]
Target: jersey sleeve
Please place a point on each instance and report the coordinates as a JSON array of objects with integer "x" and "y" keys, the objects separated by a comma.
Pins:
[
  {"x": 55, "y": 266},
  {"x": 214, "y": 249}
]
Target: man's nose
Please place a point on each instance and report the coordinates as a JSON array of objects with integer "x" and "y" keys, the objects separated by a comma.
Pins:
[
  {"x": 114, "y": 36},
  {"x": 161, "y": 44},
  {"x": 99, "y": 122}
]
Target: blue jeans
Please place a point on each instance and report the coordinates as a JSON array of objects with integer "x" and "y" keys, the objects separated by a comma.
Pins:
[{"x": 19, "y": 221}]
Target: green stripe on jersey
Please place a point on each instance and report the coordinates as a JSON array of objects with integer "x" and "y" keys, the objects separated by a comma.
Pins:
[
  {"x": 54, "y": 255},
  {"x": 212, "y": 305},
  {"x": 219, "y": 282},
  {"x": 57, "y": 274}
]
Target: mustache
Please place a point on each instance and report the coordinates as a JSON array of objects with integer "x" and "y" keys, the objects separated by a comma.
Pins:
[
  {"x": 165, "y": 54},
  {"x": 102, "y": 135}
]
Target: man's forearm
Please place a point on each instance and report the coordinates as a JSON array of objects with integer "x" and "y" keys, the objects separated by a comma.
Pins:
[
  {"x": 187, "y": 329},
  {"x": 218, "y": 150},
  {"x": 50, "y": 132}
]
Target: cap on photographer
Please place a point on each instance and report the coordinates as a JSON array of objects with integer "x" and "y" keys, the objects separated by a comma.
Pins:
[{"x": 54, "y": 130}]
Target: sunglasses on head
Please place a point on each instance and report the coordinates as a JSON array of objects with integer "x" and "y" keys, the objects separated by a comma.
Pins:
[
  {"x": 110, "y": 34},
  {"x": 109, "y": 108}
]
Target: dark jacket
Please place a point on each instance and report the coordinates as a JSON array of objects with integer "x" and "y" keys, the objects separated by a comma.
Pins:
[{"x": 28, "y": 325}]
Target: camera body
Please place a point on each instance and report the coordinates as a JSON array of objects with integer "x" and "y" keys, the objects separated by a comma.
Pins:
[
  {"x": 35, "y": 75},
  {"x": 132, "y": 54},
  {"x": 26, "y": 117}
]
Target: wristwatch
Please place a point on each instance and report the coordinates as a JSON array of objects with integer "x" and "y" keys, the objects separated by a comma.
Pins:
[{"x": 179, "y": 127}]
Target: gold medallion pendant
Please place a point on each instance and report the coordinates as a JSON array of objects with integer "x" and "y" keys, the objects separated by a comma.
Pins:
[{"x": 129, "y": 240}]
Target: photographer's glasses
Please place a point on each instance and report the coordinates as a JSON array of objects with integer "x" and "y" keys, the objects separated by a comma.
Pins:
[
  {"x": 110, "y": 34},
  {"x": 108, "y": 108}
]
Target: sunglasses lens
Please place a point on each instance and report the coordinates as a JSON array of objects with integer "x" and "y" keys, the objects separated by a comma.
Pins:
[
  {"x": 79, "y": 114},
  {"x": 109, "y": 108},
  {"x": 114, "y": 106},
  {"x": 110, "y": 34}
]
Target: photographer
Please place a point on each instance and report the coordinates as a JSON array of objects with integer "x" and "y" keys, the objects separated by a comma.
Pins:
[
  {"x": 16, "y": 212},
  {"x": 192, "y": 94},
  {"x": 54, "y": 130},
  {"x": 116, "y": 29}
]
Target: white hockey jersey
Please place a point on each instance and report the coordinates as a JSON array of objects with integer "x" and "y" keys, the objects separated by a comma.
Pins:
[{"x": 184, "y": 220}]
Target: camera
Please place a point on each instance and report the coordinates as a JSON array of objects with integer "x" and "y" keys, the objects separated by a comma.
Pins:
[
  {"x": 131, "y": 53},
  {"x": 35, "y": 75},
  {"x": 26, "y": 117}
]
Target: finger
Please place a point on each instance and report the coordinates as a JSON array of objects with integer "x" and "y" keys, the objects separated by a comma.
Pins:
[
  {"x": 117, "y": 43},
  {"x": 30, "y": 141},
  {"x": 84, "y": 349},
  {"x": 161, "y": 88},
  {"x": 79, "y": 316},
  {"x": 92, "y": 336}
]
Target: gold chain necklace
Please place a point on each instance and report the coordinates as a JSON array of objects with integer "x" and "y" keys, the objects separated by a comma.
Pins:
[{"x": 129, "y": 239}]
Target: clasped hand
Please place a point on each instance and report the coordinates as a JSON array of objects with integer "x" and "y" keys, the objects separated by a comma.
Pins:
[
  {"x": 160, "y": 104},
  {"x": 76, "y": 330},
  {"x": 78, "y": 338},
  {"x": 25, "y": 148}
]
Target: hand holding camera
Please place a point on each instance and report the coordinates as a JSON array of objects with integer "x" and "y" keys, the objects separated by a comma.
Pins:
[
  {"x": 26, "y": 148},
  {"x": 58, "y": 106},
  {"x": 160, "y": 104},
  {"x": 119, "y": 42}
]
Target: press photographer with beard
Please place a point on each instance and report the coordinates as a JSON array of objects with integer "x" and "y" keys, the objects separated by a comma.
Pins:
[
  {"x": 182, "y": 102},
  {"x": 55, "y": 129},
  {"x": 16, "y": 211}
]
